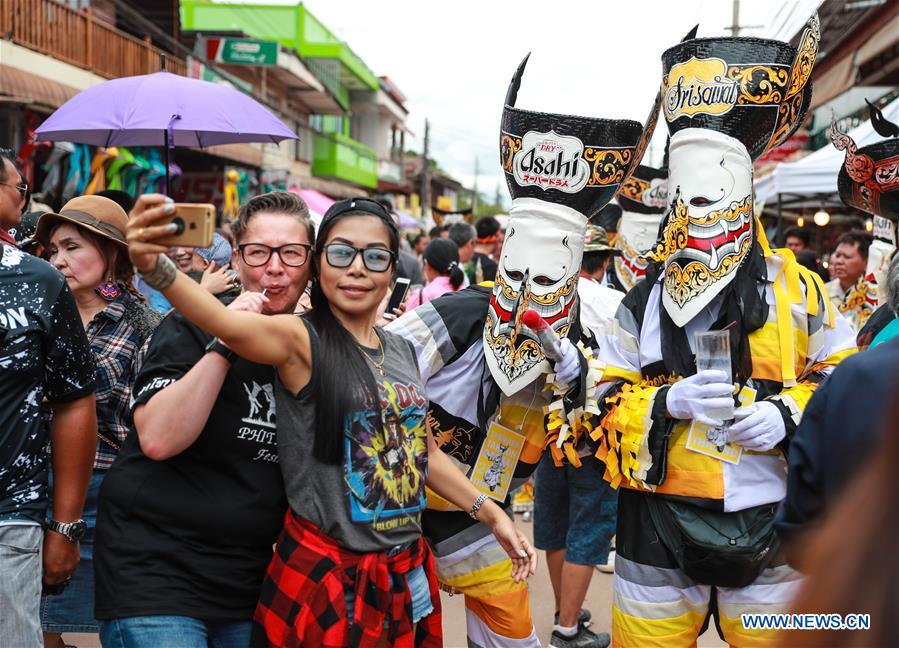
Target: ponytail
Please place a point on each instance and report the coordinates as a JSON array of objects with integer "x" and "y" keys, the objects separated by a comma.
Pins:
[
  {"x": 456, "y": 276},
  {"x": 443, "y": 255}
]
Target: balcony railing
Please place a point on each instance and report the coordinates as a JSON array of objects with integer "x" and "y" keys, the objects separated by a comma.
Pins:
[
  {"x": 338, "y": 156},
  {"x": 390, "y": 171},
  {"x": 78, "y": 38}
]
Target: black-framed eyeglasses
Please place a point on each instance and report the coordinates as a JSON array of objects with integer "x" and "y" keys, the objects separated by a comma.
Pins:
[
  {"x": 22, "y": 188},
  {"x": 341, "y": 255},
  {"x": 258, "y": 254}
]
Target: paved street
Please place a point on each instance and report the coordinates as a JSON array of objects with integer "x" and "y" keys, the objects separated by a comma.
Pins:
[{"x": 599, "y": 601}]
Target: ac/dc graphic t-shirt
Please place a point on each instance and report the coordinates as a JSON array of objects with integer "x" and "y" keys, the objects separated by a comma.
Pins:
[
  {"x": 193, "y": 534},
  {"x": 373, "y": 501},
  {"x": 44, "y": 352}
]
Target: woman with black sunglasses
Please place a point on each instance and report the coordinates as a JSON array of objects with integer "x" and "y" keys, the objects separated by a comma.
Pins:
[{"x": 351, "y": 565}]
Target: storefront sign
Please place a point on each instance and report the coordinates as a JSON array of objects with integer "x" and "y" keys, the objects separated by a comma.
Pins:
[{"x": 242, "y": 51}]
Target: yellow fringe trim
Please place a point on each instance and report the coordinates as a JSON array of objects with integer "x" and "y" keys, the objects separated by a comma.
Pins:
[
  {"x": 565, "y": 429},
  {"x": 622, "y": 434}
]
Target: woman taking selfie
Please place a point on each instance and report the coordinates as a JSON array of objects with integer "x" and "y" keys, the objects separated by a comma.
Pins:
[{"x": 351, "y": 565}]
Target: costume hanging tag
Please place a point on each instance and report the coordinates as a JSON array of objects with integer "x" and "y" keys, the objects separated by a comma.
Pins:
[
  {"x": 712, "y": 442},
  {"x": 496, "y": 462}
]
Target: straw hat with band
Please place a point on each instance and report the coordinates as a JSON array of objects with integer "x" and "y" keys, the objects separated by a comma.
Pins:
[
  {"x": 104, "y": 218},
  {"x": 99, "y": 215}
]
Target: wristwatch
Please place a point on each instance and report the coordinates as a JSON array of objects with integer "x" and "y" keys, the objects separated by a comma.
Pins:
[
  {"x": 73, "y": 531},
  {"x": 215, "y": 345}
]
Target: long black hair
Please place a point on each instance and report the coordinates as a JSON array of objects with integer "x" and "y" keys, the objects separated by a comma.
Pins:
[
  {"x": 343, "y": 382},
  {"x": 442, "y": 254}
]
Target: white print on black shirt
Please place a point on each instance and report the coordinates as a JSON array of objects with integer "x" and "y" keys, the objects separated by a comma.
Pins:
[
  {"x": 256, "y": 412},
  {"x": 261, "y": 412},
  {"x": 13, "y": 317},
  {"x": 156, "y": 384}
]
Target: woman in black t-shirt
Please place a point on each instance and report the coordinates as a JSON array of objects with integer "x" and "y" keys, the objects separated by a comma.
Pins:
[
  {"x": 365, "y": 419},
  {"x": 193, "y": 503}
]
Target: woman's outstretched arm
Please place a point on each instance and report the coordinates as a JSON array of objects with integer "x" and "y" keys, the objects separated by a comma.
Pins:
[
  {"x": 445, "y": 479},
  {"x": 266, "y": 339}
]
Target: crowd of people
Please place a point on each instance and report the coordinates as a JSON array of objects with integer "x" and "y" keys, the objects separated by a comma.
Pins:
[{"x": 247, "y": 444}]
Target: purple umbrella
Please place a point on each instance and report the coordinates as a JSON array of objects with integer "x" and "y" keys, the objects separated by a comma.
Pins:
[
  {"x": 407, "y": 221},
  {"x": 162, "y": 109}
]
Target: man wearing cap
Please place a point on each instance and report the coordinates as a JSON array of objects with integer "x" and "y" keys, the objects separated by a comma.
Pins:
[
  {"x": 598, "y": 301},
  {"x": 44, "y": 357}
]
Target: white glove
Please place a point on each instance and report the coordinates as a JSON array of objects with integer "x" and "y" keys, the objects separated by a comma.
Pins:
[
  {"x": 568, "y": 369},
  {"x": 758, "y": 427},
  {"x": 694, "y": 397}
]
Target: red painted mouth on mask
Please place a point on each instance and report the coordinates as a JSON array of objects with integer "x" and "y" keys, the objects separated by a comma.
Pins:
[
  {"x": 719, "y": 240},
  {"x": 506, "y": 315}
]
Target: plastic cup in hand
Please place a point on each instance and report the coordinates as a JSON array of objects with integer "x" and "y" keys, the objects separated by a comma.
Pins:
[{"x": 713, "y": 352}]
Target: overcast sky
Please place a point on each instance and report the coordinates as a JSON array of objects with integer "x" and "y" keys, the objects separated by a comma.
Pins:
[{"x": 600, "y": 58}]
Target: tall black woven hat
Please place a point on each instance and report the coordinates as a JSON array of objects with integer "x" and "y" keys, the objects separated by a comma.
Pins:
[
  {"x": 753, "y": 89},
  {"x": 869, "y": 178},
  {"x": 449, "y": 217},
  {"x": 645, "y": 192},
  {"x": 576, "y": 161}
]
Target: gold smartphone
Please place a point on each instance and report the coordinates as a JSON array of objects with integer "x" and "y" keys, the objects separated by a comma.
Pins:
[{"x": 197, "y": 224}]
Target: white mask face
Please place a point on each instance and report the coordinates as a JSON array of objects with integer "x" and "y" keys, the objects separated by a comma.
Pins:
[
  {"x": 636, "y": 234},
  {"x": 710, "y": 230},
  {"x": 546, "y": 241}
]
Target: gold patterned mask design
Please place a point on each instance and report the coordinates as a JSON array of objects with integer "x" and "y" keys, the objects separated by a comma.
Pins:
[
  {"x": 538, "y": 270},
  {"x": 700, "y": 251},
  {"x": 630, "y": 266}
]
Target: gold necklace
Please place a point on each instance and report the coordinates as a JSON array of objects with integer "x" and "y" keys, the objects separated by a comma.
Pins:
[{"x": 378, "y": 365}]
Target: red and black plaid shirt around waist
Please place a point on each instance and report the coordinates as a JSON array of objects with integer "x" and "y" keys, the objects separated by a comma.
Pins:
[{"x": 303, "y": 598}]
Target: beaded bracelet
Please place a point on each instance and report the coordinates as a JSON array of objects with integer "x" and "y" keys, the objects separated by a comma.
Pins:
[
  {"x": 162, "y": 275},
  {"x": 478, "y": 503}
]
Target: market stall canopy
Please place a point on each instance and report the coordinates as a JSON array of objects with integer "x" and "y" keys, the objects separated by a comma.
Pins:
[
  {"x": 817, "y": 173},
  {"x": 316, "y": 201}
]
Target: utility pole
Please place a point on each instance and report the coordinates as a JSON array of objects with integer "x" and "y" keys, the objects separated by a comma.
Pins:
[
  {"x": 426, "y": 177},
  {"x": 474, "y": 191},
  {"x": 735, "y": 28}
]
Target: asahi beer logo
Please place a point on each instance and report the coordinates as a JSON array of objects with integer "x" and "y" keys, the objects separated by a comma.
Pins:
[
  {"x": 657, "y": 194},
  {"x": 551, "y": 161},
  {"x": 699, "y": 86}
]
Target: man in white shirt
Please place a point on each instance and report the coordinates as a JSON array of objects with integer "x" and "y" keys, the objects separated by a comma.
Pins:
[{"x": 599, "y": 302}]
